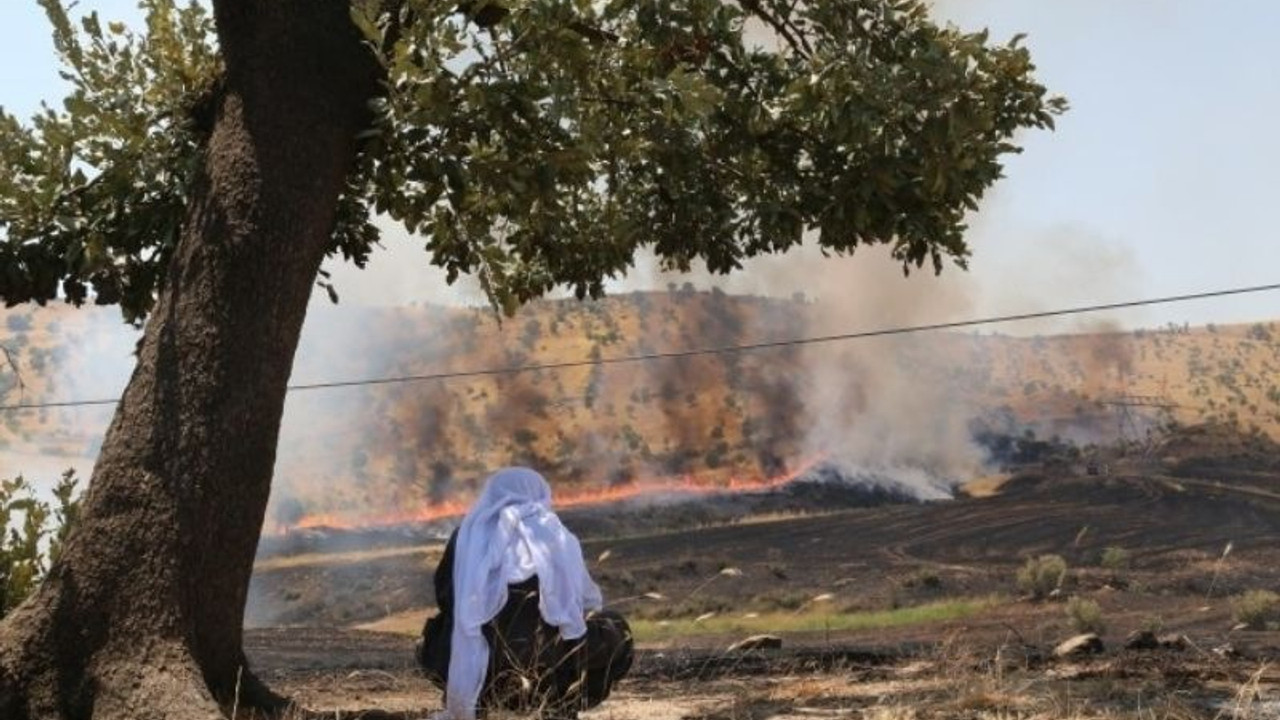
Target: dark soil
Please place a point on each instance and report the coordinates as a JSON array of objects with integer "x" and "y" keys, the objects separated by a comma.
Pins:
[
  {"x": 1194, "y": 541},
  {"x": 1175, "y": 529}
]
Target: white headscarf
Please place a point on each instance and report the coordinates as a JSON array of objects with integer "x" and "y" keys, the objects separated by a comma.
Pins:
[{"x": 510, "y": 535}]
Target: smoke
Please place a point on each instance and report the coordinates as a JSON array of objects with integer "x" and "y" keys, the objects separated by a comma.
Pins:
[
  {"x": 1108, "y": 360},
  {"x": 900, "y": 405},
  {"x": 890, "y": 407},
  {"x": 884, "y": 403},
  {"x": 60, "y": 354},
  {"x": 871, "y": 404}
]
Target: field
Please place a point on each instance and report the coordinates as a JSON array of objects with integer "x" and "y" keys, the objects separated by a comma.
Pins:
[
  {"x": 908, "y": 610},
  {"x": 889, "y": 604},
  {"x": 357, "y": 455}
]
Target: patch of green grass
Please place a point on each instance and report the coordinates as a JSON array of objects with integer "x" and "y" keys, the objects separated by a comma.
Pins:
[{"x": 816, "y": 619}]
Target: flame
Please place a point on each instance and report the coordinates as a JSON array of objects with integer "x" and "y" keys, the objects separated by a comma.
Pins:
[{"x": 685, "y": 485}]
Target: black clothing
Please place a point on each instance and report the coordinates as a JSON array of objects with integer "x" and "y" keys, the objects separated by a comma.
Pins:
[
  {"x": 444, "y": 575},
  {"x": 530, "y": 666}
]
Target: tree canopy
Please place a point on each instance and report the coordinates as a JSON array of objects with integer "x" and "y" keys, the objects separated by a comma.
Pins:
[
  {"x": 201, "y": 169},
  {"x": 541, "y": 143}
]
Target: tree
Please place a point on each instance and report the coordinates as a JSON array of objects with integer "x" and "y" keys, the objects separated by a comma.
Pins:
[{"x": 200, "y": 171}]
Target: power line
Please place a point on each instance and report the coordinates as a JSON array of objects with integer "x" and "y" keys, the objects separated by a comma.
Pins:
[{"x": 724, "y": 350}]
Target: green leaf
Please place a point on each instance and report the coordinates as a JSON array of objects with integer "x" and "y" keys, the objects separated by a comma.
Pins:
[
  {"x": 549, "y": 149},
  {"x": 367, "y": 24}
]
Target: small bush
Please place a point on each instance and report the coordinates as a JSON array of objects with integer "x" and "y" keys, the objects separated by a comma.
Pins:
[
  {"x": 1115, "y": 559},
  {"x": 1258, "y": 609},
  {"x": 1085, "y": 615},
  {"x": 923, "y": 579},
  {"x": 32, "y": 534},
  {"x": 1042, "y": 575}
]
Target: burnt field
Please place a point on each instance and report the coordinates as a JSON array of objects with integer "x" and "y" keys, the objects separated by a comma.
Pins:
[
  {"x": 339, "y": 576},
  {"x": 349, "y": 674},
  {"x": 1174, "y": 529},
  {"x": 893, "y": 609}
]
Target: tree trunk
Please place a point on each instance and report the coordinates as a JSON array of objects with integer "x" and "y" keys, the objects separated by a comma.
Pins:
[{"x": 142, "y": 615}]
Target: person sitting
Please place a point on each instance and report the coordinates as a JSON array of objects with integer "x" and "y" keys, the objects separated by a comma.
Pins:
[{"x": 520, "y": 624}]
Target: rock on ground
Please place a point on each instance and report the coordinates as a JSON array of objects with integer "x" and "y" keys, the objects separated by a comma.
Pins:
[
  {"x": 757, "y": 642},
  {"x": 1079, "y": 646}
]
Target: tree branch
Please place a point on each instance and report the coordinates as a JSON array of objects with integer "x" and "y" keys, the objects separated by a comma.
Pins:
[
  {"x": 491, "y": 13},
  {"x": 13, "y": 365},
  {"x": 783, "y": 26}
]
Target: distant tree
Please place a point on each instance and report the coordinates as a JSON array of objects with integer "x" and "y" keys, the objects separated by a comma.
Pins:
[
  {"x": 715, "y": 455},
  {"x": 289, "y": 510},
  {"x": 359, "y": 462},
  {"x": 532, "y": 331},
  {"x": 404, "y": 467},
  {"x": 200, "y": 171},
  {"x": 591, "y": 392},
  {"x": 633, "y": 439}
]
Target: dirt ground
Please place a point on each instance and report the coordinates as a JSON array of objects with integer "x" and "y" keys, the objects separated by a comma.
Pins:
[
  {"x": 1175, "y": 531},
  {"x": 1196, "y": 536},
  {"x": 362, "y": 674}
]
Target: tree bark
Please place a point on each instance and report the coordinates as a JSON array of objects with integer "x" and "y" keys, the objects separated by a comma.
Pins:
[{"x": 142, "y": 614}]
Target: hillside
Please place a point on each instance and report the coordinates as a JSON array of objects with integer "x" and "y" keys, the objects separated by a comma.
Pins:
[{"x": 907, "y": 402}]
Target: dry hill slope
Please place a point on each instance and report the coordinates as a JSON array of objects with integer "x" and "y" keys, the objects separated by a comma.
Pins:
[{"x": 908, "y": 401}]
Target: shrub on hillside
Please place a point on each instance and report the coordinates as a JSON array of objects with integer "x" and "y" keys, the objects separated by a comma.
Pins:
[
  {"x": 1085, "y": 615},
  {"x": 1115, "y": 559},
  {"x": 1042, "y": 575},
  {"x": 1258, "y": 609}
]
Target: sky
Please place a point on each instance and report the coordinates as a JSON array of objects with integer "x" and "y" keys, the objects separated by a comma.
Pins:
[{"x": 1160, "y": 180}]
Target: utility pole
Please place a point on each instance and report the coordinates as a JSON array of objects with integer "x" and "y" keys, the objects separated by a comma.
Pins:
[{"x": 1129, "y": 408}]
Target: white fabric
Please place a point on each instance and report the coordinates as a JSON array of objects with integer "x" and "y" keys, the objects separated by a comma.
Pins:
[{"x": 510, "y": 535}]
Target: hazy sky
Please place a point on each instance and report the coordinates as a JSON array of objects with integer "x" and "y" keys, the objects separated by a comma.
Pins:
[{"x": 1161, "y": 179}]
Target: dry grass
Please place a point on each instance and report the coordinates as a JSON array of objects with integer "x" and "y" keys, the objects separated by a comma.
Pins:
[
  {"x": 985, "y": 486},
  {"x": 409, "y": 622},
  {"x": 947, "y": 687},
  {"x": 775, "y": 516},
  {"x": 1258, "y": 609},
  {"x": 958, "y": 680},
  {"x": 430, "y": 555}
]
